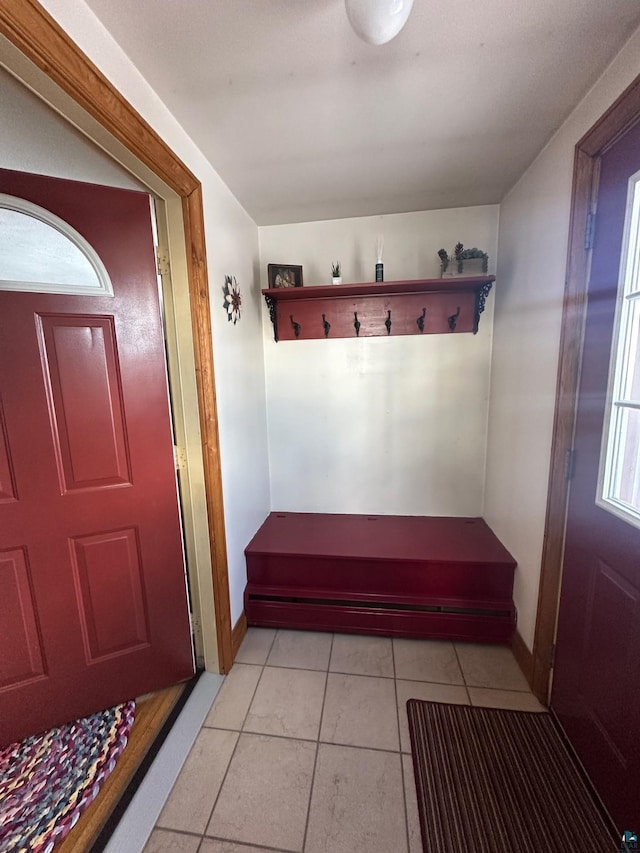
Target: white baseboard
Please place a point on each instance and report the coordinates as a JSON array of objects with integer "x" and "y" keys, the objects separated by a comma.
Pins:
[{"x": 136, "y": 824}]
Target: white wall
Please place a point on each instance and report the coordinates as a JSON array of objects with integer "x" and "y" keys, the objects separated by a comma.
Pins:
[
  {"x": 379, "y": 425},
  {"x": 36, "y": 139},
  {"x": 232, "y": 248},
  {"x": 534, "y": 228}
]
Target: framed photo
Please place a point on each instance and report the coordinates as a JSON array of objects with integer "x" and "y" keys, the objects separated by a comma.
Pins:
[{"x": 284, "y": 275}]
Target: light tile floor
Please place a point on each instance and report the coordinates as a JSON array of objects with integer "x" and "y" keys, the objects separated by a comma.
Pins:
[{"x": 306, "y": 746}]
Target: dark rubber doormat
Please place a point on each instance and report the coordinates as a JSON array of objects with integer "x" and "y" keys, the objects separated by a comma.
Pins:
[{"x": 495, "y": 781}]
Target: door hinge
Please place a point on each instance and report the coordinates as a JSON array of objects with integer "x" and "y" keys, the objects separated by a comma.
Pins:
[
  {"x": 162, "y": 263},
  {"x": 179, "y": 457},
  {"x": 569, "y": 464},
  {"x": 589, "y": 230},
  {"x": 552, "y": 655}
]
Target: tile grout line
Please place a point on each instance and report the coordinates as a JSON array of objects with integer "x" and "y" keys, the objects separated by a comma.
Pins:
[
  {"x": 177, "y": 831},
  {"x": 404, "y": 785},
  {"x": 230, "y": 728},
  {"x": 315, "y": 760},
  {"x": 501, "y": 689},
  {"x": 245, "y": 845},
  {"x": 390, "y": 677},
  {"x": 215, "y": 801},
  {"x": 273, "y": 642},
  {"x": 464, "y": 678},
  {"x": 311, "y": 740},
  {"x": 470, "y": 687},
  {"x": 244, "y": 719}
]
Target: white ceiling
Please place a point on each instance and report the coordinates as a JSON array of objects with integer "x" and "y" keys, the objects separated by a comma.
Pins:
[{"x": 303, "y": 121}]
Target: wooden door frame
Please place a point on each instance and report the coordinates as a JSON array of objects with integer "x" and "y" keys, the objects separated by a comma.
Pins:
[
  {"x": 624, "y": 113},
  {"x": 38, "y": 37}
]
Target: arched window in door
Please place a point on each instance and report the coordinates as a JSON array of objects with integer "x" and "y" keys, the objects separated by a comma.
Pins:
[{"x": 41, "y": 253}]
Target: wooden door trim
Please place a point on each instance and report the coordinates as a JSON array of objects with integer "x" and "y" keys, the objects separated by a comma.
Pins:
[
  {"x": 613, "y": 124},
  {"x": 40, "y": 38}
]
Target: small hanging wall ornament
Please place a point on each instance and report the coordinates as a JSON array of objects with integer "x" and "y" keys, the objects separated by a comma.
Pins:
[{"x": 232, "y": 299}]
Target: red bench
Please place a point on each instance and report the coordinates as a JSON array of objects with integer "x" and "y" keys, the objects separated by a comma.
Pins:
[{"x": 413, "y": 576}]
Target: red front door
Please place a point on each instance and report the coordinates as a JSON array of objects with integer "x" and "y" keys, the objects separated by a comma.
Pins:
[
  {"x": 596, "y": 679},
  {"x": 93, "y": 602}
]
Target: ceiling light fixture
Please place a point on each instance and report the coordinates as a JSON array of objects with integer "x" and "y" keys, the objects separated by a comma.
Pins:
[{"x": 378, "y": 21}]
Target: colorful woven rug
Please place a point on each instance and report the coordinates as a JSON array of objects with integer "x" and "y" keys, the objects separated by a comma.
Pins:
[
  {"x": 494, "y": 781},
  {"x": 46, "y": 781}
]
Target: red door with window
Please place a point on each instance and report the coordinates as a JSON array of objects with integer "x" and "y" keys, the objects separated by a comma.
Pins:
[
  {"x": 596, "y": 679},
  {"x": 93, "y": 600}
]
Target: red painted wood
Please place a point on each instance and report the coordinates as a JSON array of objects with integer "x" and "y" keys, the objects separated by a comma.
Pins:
[
  {"x": 99, "y": 597},
  {"x": 596, "y": 679},
  {"x": 390, "y": 592},
  {"x": 395, "y": 565},
  {"x": 432, "y": 626},
  {"x": 7, "y": 479},
  {"x": 434, "y": 300},
  {"x": 373, "y": 312},
  {"x": 372, "y": 288},
  {"x": 81, "y": 367},
  {"x": 113, "y": 616},
  {"x": 22, "y": 658},
  {"x": 379, "y": 537}
]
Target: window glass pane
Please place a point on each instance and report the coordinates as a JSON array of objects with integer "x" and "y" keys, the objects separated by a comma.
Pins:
[
  {"x": 626, "y": 486},
  {"x": 619, "y": 488},
  {"x": 40, "y": 252},
  {"x": 631, "y": 378},
  {"x": 31, "y": 250}
]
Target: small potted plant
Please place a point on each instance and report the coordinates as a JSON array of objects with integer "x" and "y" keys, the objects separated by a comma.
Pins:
[
  {"x": 336, "y": 276},
  {"x": 463, "y": 262}
]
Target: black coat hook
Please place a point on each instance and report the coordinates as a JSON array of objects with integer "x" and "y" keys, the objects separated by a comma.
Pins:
[
  {"x": 296, "y": 326},
  {"x": 420, "y": 320},
  {"x": 356, "y": 323},
  {"x": 453, "y": 319},
  {"x": 387, "y": 322},
  {"x": 327, "y": 325}
]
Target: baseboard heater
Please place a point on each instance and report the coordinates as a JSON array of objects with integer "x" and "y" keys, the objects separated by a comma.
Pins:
[
  {"x": 442, "y": 578},
  {"x": 380, "y": 605}
]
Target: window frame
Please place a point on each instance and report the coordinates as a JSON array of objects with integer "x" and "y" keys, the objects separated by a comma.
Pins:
[{"x": 617, "y": 402}]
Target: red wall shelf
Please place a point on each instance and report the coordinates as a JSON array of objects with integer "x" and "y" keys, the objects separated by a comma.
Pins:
[{"x": 428, "y": 306}]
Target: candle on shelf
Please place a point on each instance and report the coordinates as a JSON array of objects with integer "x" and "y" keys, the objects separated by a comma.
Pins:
[{"x": 379, "y": 266}]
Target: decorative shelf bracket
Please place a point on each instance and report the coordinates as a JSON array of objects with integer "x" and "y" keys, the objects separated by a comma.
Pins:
[
  {"x": 272, "y": 305},
  {"x": 481, "y": 297}
]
